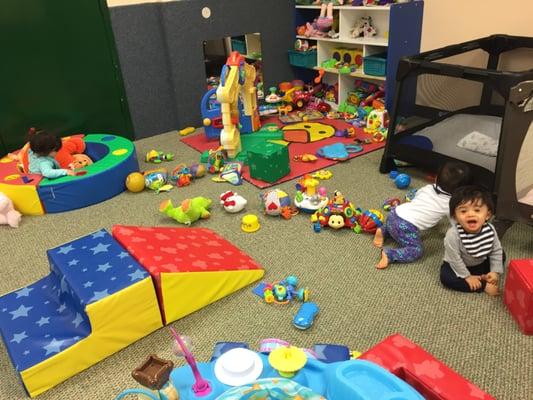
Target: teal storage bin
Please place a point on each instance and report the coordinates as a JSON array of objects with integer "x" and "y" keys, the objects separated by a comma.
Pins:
[
  {"x": 306, "y": 59},
  {"x": 238, "y": 45},
  {"x": 375, "y": 65}
]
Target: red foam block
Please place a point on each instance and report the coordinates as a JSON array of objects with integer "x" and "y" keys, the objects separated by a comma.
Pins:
[
  {"x": 518, "y": 293},
  {"x": 432, "y": 378}
]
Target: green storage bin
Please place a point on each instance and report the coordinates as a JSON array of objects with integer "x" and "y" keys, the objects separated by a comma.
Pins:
[
  {"x": 268, "y": 161},
  {"x": 238, "y": 45},
  {"x": 375, "y": 65},
  {"x": 306, "y": 59}
]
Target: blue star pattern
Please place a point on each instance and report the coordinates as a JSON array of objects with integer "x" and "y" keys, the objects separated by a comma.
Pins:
[{"x": 48, "y": 316}]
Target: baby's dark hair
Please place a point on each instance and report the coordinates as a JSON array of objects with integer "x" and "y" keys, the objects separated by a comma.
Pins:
[
  {"x": 452, "y": 175},
  {"x": 43, "y": 142},
  {"x": 470, "y": 194}
]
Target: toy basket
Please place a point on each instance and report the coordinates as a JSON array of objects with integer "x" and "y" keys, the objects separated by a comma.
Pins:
[
  {"x": 375, "y": 65},
  {"x": 238, "y": 45},
  {"x": 306, "y": 59}
]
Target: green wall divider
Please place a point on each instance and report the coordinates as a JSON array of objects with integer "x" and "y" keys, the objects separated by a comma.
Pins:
[{"x": 59, "y": 70}]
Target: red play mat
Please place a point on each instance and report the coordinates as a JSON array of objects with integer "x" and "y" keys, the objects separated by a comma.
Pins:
[{"x": 200, "y": 143}]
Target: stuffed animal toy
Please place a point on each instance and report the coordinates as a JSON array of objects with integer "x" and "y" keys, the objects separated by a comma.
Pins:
[
  {"x": 65, "y": 156},
  {"x": 80, "y": 161},
  {"x": 232, "y": 202},
  {"x": 190, "y": 210},
  {"x": 8, "y": 214}
]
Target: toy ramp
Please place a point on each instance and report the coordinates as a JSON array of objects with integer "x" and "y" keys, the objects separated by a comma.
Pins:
[
  {"x": 96, "y": 300},
  {"x": 191, "y": 267}
]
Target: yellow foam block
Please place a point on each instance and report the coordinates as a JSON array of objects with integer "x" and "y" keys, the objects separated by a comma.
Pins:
[
  {"x": 186, "y": 292},
  {"x": 116, "y": 322},
  {"x": 24, "y": 198}
]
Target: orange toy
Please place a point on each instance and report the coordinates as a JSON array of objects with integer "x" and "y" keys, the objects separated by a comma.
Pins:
[{"x": 65, "y": 156}]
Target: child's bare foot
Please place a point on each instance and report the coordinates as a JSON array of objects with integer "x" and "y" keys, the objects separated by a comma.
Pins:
[
  {"x": 492, "y": 289},
  {"x": 384, "y": 262},
  {"x": 378, "y": 238}
]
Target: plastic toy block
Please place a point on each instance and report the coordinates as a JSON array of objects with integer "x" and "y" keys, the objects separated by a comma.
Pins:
[
  {"x": 518, "y": 293},
  {"x": 96, "y": 300},
  {"x": 429, "y": 376},
  {"x": 268, "y": 162},
  {"x": 191, "y": 267}
]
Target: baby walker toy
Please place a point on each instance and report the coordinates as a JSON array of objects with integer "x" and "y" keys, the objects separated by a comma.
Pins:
[
  {"x": 309, "y": 197},
  {"x": 278, "y": 372}
]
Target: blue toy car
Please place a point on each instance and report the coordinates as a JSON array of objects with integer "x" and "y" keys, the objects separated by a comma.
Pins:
[{"x": 305, "y": 316}]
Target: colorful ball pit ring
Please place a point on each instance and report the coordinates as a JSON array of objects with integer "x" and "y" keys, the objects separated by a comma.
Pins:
[{"x": 114, "y": 159}]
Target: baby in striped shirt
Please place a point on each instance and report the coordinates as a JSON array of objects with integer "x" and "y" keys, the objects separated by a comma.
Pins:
[{"x": 473, "y": 255}]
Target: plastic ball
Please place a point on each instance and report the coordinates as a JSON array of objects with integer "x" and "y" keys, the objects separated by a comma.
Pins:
[
  {"x": 402, "y": 181},
  {"x": 135, "y": 182},
  {"x": 176, "y": 348},
  {"x": 393, "y": 174},
  {"x": 197, "y": 170}
]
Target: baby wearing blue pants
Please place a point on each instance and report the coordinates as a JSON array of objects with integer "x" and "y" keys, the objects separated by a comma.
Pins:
[{"x": 427, "y": 208}]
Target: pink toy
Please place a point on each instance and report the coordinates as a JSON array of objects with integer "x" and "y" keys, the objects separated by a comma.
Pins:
[
  {"x": 8, "y": 214},
  {"x": 433, "y": 379},
  {"x": 518, "y": 293},
  {"x": 201, "y": 387}
]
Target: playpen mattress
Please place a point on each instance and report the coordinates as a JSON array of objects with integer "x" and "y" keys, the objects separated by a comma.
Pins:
[{"x": 447, "y": 133}]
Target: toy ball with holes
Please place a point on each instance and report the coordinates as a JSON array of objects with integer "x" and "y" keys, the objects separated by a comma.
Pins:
[
  {"x": 135, "y": 182},
  {"x": 402, "y": 181}
]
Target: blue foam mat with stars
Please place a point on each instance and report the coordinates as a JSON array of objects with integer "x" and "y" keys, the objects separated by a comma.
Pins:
[{"x": 48, "y": 316}]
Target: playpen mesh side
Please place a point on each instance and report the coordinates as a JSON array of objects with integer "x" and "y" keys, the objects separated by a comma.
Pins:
[
  {"x": 524, "y": 170},
  {"x": 430, "y": 96}
]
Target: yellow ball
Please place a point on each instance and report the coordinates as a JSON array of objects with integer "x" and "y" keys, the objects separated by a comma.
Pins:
[{"x": 135, "y": 182}]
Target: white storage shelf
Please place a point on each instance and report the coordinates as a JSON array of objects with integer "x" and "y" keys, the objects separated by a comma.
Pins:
[
  {"x": 404, "y": 40},
  {"x": 348, "y": 17}
]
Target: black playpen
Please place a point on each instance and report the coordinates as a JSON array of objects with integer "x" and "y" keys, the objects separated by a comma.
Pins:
[{"x": 471, "y": 102}]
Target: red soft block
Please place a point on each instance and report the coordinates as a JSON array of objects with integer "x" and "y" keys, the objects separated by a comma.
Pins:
[
  {"x": 518, "y": 293},
  {"x": 433, "y": 379}
]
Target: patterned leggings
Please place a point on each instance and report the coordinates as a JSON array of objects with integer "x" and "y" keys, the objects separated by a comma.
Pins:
[{"x": 408, "y": 237}]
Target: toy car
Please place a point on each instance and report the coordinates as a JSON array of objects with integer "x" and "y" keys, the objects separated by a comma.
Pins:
[{"x": 305, "y": 316}]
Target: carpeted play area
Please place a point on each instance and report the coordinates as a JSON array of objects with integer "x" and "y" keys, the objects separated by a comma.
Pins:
[
  {"x": 473, "y": 334},
  {"x": 266, "y": 200}
]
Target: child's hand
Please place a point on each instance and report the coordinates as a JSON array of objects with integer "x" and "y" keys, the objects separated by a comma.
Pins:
[
  {"x": 474, "y": 282},
  {"x": 71, "y": 172},
  {"x": 493, "y": 278}
]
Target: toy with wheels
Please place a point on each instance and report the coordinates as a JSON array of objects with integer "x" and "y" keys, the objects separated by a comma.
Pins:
[
  {"x": 338, "y": 213},
  {"x": 113, "y": 159},
  {"x": 305, "y": 316},
  {"x": 370, "y": 221}
]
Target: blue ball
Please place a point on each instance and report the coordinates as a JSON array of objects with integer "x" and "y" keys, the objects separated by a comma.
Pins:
[
  {"x": 393, "y": 174},
  {"x": 402, "y": 181}
]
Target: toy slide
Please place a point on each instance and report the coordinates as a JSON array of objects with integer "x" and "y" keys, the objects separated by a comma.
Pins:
[{"x": 98, "y": 299}]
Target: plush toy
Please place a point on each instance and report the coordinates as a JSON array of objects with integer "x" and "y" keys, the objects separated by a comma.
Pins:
[
  {"x": 80, "y": 161},
  {"x": 8, "y": 214},
  {"x": 190, "y": 210},
  {"x": 232, "y": 202},
  {"x": 70, "y": 146}
]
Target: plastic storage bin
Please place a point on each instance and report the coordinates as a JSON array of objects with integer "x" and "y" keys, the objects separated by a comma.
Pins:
[
  {"x": 375, "y": 65},
  {"x": 238, "y": 45},
  {"x": 306, "y": 59}
]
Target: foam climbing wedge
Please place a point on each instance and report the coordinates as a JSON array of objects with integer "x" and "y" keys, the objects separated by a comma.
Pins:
[{"x": 191, "y": 267}]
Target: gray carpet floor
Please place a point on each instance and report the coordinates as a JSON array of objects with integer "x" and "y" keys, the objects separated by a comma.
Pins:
[{"x": 359, "y": 305}]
